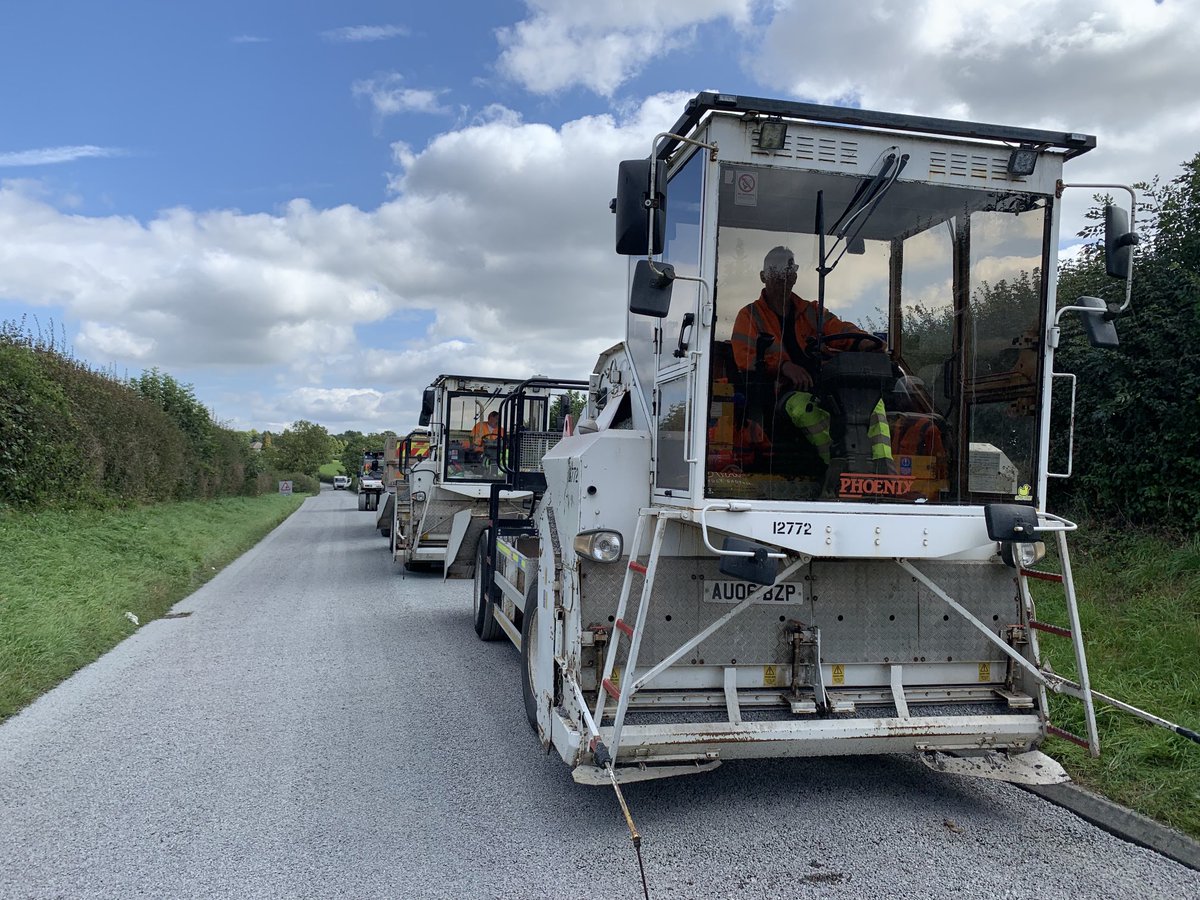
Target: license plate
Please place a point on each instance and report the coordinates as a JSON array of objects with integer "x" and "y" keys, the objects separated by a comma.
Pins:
[{"x": 737, "y": 591}]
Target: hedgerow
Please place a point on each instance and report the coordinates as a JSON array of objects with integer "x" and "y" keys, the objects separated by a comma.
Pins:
[{"x": 73, "y": 435}]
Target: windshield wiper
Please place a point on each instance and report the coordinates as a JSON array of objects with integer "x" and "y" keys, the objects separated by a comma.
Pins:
[
  {"x": 862, "y": 197},
  {"x": 862, "y": 206}
]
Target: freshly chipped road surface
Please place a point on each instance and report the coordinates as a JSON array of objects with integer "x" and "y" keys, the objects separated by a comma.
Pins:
[{"x": 322, "y": 727}]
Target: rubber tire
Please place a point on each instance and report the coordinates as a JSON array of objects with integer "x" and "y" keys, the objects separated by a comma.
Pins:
[
  {"x": 528, "y": 630},
  {"x": 362, "y": 502},
  {"x": 485, "y": 597}
]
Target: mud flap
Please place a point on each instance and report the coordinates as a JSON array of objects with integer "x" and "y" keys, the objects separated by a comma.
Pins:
[
  {"x": 1031, "y": 767},
  {"x": 458, "y": 530}
]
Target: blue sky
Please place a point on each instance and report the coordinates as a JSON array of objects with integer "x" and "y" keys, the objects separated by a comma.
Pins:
[{"x": 309, "y": 209}]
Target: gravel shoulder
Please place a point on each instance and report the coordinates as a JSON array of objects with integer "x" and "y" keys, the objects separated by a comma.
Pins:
[{"x": 322, "y": 726}]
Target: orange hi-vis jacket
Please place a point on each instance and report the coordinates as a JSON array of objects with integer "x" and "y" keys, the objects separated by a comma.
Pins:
[
  {"x": 758, "y": 318},
  {"x": 481, "y": 433}
]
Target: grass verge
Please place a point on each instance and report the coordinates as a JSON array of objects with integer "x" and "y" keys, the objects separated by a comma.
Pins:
[
  {"x": 67, "y": 578},
  {"x": 1139, "y": 607}
]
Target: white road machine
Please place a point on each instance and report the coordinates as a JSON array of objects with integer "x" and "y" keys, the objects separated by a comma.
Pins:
[
  {"x": 799, "y": 514},
  {"x": 439, "y": 516}
]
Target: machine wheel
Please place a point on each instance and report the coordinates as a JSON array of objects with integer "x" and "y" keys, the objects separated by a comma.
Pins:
[
  {"x": 485, "y": 594},
  {"x": 362, "y": 502},
  {"x": 528, "y": 657}
]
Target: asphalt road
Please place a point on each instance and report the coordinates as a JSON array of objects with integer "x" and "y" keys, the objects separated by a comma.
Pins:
[{"x": 321, "y": 726}]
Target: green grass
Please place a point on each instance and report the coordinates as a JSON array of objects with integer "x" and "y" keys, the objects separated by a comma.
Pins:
[
  {"x": 330, "y": 469},
  {"x": 67, "y": 578},
  {"x": 1139, "y": 599}
]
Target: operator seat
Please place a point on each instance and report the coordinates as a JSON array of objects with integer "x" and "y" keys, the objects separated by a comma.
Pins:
[{"x": 851, "y": 385}]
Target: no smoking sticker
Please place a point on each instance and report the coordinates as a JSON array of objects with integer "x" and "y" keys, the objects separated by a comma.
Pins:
[{"x": 745, "y": 189}]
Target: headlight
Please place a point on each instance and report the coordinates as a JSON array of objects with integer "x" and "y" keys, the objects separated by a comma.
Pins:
[
  {"x": 1021, "y": 556},
  {"x": 600, "y": 545}
]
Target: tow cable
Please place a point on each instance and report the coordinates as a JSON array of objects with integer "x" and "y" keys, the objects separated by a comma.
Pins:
[{"x": 602, "y": 757}]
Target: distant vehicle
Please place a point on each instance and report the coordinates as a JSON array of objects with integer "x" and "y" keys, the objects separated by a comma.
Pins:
[
  {"x": 370, "y": 480},
  {"x": 341, "y": 482}
]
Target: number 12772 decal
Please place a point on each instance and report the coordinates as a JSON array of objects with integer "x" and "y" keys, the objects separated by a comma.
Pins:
[{"x": 781, "y": 526}]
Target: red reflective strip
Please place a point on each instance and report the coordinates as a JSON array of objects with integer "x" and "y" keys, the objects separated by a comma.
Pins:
[
  {"x": 625, "y": 627},
  {"x": 1066, "y": 736},
  {"x": 611, "y": 689},
  {"x": 1050, "y": 629},
  {"x": 1041, "y": 576},
  {"x": 637, "y": 567}
]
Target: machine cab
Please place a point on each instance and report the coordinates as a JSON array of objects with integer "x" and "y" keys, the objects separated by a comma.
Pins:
[{"x": 843, "y": 315}]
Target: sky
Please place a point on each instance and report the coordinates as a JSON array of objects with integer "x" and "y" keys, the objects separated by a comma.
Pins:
[{"x": 308, "y": 209}]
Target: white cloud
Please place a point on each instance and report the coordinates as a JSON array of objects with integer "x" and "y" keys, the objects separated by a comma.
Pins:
[
  {"x": 359, "y": 33},
  {"x": 389, "y": 97},
  {"x": 599, "y": 46},
  {"x": 249, "y": 39},
  {"x": 494, "y": 257},
  {"x": 46, "y": 156},
  {"x": 111, "y": 341},
  {"x": 1122, "y": 71}
]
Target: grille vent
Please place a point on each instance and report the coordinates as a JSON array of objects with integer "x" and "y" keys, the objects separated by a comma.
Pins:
[
  {"x": 976, "y": 166},
  {"x": 804, "y": 146}
]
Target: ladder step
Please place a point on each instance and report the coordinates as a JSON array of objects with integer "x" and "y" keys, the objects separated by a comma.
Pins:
[
  {"x": 1050, "y": 629},
  {"x": 1042, "y": 576},
  {"x": 625, "y": 628},
  {"x": 637, "y": 567},
  {"x": 1066, "y": 735},
  {"x": 611, "y": 689}
]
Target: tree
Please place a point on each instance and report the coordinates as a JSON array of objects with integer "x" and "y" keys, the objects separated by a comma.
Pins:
[
  {"x": 1137, "y": 456},
  {"x": 572, "y": 402},
  {"x": 304, "y": 447},
  {"x": 179, "y": 401}
]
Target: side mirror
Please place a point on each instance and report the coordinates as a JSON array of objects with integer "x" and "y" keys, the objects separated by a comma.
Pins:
[
  {"x": 650, "y": 293},
  {"x": 759, "y": 568},
  {"x": 1011, "y": 522},
  {"x": 1119, "y": 242},
  {"x": 1100, "y": 330},
  {"x": 426, "y": 407},
  {"x": 640, "y": 202}
]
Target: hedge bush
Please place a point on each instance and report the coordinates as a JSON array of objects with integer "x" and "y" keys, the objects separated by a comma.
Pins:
[{"x": 73, "y": 435}]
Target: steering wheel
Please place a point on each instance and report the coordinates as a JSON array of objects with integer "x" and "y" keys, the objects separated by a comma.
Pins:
[{"x": 858, "y": 337}]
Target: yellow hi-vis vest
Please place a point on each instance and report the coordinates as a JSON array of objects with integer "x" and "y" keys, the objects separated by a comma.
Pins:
[
  {"x": 880, "y": 433},
  {"x": 813, "y": 421}
]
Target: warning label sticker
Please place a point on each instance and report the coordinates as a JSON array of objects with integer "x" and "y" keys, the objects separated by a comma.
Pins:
[
  {"x": 839, "y": 673},
  {"x": 769, "y": 676},
  {"x": 745, "y": 189},
  {"x": 985, "y": 671}
]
